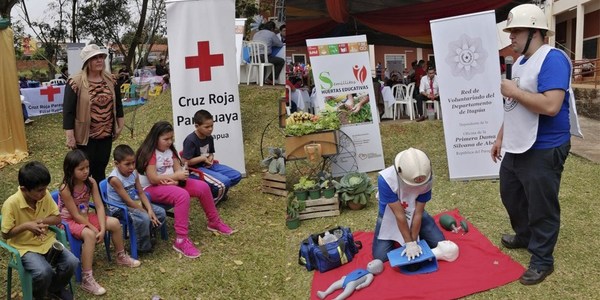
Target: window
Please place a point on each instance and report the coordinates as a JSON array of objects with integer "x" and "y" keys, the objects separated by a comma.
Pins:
[
  {"x": 395, "y": 63},
  {"x": 298, "y": 58}
]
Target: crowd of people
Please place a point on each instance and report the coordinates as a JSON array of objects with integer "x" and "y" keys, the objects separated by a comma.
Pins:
[{"x": 153, "y": 178}]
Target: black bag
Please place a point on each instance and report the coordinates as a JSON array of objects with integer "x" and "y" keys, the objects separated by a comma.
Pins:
[{"x": 328, "y": 256}]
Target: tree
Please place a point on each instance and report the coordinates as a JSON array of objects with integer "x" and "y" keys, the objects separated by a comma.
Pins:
[
  {"x": 19, "y": 34},
  {"x": 50, "y": 37}
]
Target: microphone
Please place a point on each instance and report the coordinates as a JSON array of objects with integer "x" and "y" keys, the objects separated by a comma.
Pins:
[{"x": 509, "y": 60}]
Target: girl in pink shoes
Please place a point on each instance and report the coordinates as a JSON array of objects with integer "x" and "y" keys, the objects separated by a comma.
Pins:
[
  {"x": 166, "y": 181},
  {"x": 74, "y": 199}
]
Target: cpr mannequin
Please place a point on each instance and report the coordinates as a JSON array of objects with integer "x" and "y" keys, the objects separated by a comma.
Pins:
[
  {"x": 355, "y": 280},
  {"x": 446, "y": 250}
]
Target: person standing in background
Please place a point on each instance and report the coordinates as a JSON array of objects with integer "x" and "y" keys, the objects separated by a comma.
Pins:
[{"x": 92, "y": 110}]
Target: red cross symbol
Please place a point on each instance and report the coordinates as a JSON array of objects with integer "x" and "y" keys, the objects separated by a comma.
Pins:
[
  {"x": 204, "y": 61},
  {"x": 404, "y": 204},
  {"x": 50, "y": 91}
]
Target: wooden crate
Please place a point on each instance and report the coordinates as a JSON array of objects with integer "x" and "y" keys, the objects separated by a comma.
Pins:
[
  {"x": 294, "y": 145},
  {"x": 321, "y": 207},
  {"x": 274, "y": 184}
]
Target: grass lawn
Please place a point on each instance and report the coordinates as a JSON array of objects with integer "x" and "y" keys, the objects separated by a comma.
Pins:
[{"x": 260, "y": 261}]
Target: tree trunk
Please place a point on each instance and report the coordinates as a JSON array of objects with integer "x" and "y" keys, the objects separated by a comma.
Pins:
[
  {"x": 73, "y": 23},
  {"x": 138, "y": 34}
]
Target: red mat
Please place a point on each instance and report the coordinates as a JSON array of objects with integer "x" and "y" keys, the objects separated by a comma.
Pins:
[{"x": 481, "y": 266}]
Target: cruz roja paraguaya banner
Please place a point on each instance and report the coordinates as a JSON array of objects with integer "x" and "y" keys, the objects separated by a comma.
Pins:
[
  {"x": 343, "y": 81},
  {"x": 468, "y": 71},
  {"x": 203, "y": 62}
]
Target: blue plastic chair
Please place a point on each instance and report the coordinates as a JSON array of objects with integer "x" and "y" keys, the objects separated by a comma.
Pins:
[
  {"x": 126, "y": 221},
  {"x": 75, "y": 243},
  {"x": 15, "y": 262}
]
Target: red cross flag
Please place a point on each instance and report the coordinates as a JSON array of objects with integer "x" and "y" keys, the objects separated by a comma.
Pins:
[
  {"x": 203, "y": 69},
  {"x": 50, "y": 91}
]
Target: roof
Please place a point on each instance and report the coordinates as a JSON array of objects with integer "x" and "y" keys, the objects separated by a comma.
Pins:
[{"x": 385, "y": 22}]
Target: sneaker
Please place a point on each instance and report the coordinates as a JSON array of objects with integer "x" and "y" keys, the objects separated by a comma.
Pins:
[
  {"x": 125, "y": 260},
  {"x": 186, "y": 247},
  {"x": 28, "y": 121},
  {"x": 220, "y": 227},
  {"x": 89, "y": 284}
]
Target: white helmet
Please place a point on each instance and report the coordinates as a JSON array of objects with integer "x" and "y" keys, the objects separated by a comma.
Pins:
[
  {"x": 527, "y": 16},
  {"x": 413, "y": 166}
]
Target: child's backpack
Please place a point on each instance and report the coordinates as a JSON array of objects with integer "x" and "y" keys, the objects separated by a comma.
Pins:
[{"x": 329, "y": 255}]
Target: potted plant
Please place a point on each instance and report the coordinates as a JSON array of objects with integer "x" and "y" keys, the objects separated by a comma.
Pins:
[
  {"x": 327, "y": 189},
  {"x": 355, "y": 189},
  {"x": 314, "y": 190},
  {"x": 294, "y": 206},
  {"x": 302, "y": 187}
]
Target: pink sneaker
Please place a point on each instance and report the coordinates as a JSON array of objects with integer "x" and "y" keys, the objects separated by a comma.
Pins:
[
  {"x": 124, "y": 259},
  {"x": 89, "y": 284},
  {"x": 186, "y": 247},
  {"x": 220, "y": 227}
]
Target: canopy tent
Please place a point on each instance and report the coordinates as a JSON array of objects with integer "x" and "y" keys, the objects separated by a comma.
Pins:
[
  {"x": 385, "y": 22},
  {"x": 13, "y": 144}
]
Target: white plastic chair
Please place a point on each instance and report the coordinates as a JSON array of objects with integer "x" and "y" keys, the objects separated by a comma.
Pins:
[
  {"x": 403, "y": 95},
  {"x": 58, "y": 82},
  {"x": 436, "y": 107},
  {"x": 258, "y": 49}
]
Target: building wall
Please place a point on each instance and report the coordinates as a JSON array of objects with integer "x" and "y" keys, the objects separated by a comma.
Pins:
[{"x": 380, "y": 52}]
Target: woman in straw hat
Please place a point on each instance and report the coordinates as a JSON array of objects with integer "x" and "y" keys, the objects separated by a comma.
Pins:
[{"x": 92, "y": 110}]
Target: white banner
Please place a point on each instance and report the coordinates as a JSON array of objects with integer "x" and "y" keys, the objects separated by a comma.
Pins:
[
  {"x": 468, "y": 70},
  {"x": 239, "y": 38},
  {"x": 44, "y": 100},
  {"x": 342, "y": 75},
  {"x": 203, "y": 70}
]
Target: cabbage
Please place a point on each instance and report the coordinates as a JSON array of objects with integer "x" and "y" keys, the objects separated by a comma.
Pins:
[{"x": 355, "y": 187}]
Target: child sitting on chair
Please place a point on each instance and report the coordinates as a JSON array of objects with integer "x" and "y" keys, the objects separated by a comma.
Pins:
[
  {"x": 198, "y": 152},
  {"x": 74, "y": 200},
  {"x": 26, "y": 216},
  {"x": 124, "y": 187}
]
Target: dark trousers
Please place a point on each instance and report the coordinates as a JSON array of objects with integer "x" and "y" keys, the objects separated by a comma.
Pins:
[
  {"x": 278, "y": 62},
  {"x": 98, "y": 151},
  {"x": 529, "y": 185},
  {"x": 420, "y": 99},
  {"x": 25, "y": 113}
]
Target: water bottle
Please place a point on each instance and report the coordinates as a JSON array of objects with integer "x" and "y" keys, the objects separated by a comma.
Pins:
[
  {"x": 181, "y": 183},
  {"x": 83, "y": 209}
]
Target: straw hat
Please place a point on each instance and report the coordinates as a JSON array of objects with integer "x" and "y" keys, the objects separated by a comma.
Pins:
[{"x": 90, "y": 51}]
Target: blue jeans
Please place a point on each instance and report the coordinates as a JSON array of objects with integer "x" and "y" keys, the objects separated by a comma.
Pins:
[
  {"x": 429, "y": 232},
  {"x": 46, "y": 279},
  {"x": 141, "y": 223}
]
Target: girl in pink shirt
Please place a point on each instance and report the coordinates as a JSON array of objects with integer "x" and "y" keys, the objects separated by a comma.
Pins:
[
  {"x": 166, "y": 181},
  {"x": 73, "y": 202}
]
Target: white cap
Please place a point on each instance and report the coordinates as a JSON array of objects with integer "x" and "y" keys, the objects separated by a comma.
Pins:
[
  {"x": 527, "y": 16},
  {"x": 90, "y": 51},
  {"x": 413, "y": 166}
]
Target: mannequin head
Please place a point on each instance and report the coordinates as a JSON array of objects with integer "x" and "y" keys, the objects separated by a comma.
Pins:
[
  {"x": 375, "y": 266},
  {"x": 446, "y": 250}
]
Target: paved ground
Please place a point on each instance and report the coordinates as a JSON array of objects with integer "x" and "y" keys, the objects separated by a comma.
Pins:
[{"x": 589, "y": 146}]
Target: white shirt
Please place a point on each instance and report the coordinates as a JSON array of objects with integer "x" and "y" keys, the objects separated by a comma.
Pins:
[{"x": 425, "y": 87}]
